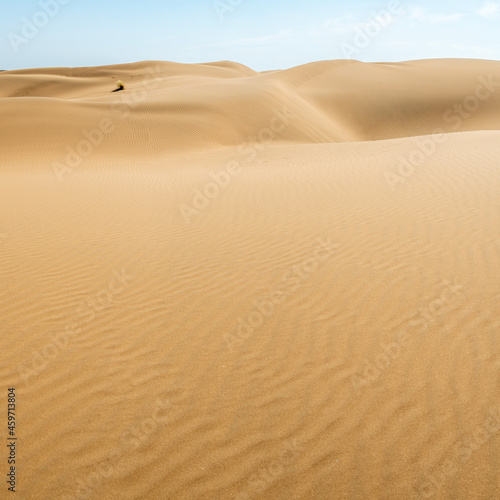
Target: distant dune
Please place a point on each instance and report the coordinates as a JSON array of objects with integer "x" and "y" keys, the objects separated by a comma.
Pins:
[
  {"x": 225, "y": 284},
  {"x": 209, "y": 106}
]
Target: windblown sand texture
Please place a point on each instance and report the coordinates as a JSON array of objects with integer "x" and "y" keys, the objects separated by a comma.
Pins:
[{"x": 279, "y": 285}]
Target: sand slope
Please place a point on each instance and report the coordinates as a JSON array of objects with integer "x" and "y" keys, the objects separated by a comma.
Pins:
[{"x": 323, "y": 325}]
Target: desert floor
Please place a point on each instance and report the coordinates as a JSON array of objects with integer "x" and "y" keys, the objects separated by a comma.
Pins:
[{"x": 225, "y": 284}]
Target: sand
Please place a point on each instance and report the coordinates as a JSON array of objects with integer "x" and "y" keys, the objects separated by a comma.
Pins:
[{"x": 225, "y": 284}]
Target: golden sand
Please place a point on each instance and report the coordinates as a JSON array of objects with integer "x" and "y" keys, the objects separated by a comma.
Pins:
[{"x": 225, "y": 284}]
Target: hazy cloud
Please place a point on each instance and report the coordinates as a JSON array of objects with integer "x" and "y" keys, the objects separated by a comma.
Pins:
[
  {"x": 489, "y": 10},
  {"x": 246, "y": 42},
  {"x": 420, "y": 14}
]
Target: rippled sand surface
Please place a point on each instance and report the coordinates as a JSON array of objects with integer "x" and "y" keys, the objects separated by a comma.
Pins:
[{"x": 224, "y": 284}]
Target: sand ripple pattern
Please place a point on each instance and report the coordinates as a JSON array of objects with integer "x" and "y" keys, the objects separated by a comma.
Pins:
[{"x": 375, "y": 374}]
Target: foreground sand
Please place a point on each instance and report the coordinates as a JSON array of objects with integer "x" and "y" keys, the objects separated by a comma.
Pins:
[{"x": 280, "y": 285}]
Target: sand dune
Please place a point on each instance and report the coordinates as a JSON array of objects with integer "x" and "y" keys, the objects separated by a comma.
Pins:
[
  {"x": 170, "y": 108},
  {"x": 225, "y": 284}
]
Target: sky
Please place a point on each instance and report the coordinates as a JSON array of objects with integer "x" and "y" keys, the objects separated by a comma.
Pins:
[{"x": 262, "y": 34}]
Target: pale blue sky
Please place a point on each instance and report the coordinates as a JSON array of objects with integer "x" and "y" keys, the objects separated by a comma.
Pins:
[{"x": 262, "y": 34}]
